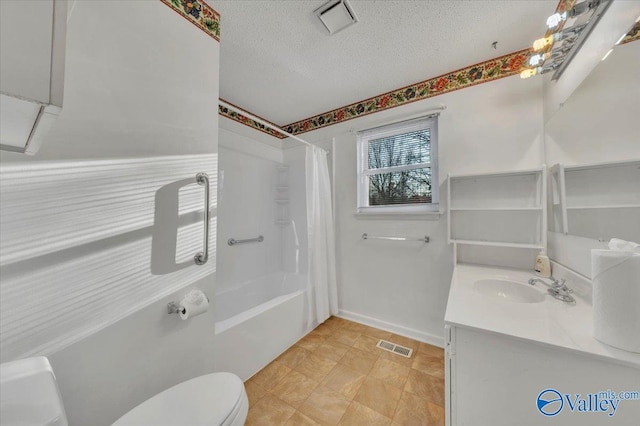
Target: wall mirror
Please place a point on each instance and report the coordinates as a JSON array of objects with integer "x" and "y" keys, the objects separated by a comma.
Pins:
[{"x": 592, "y": 147}]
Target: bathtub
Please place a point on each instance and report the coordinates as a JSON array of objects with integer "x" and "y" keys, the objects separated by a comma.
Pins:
[{"x": 258, "y": 320}]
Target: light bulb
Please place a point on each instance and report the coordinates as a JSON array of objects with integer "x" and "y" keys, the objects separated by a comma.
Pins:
[
  {"x": 538, "y": 58},
  {"x": 555, "y": 19},
  {"x": 529, "y": 73},
  {"x": 541, "y": 43}
]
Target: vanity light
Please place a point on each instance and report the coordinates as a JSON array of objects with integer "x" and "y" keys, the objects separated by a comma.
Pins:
[
  {"x": 529, "y": 72},
  {"x": 555, "y": 54},
  {"x": 543, "y": 42},
  {"x": 554, "y": 20},
  {"x": 571, "y": 33},
  {"x": 539, "y": 58},
  {"x": 539, "y": 70}
]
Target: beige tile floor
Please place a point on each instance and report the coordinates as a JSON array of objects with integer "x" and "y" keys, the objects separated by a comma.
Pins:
[{"x": 335, "y": 375}]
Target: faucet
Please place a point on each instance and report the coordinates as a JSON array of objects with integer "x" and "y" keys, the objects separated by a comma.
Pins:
[{"x": 557, "y": 288}]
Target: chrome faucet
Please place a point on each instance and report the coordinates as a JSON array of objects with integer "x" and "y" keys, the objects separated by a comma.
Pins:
[{"x": 557, "y": 288}]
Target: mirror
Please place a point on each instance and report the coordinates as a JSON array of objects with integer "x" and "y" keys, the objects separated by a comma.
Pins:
[{"x": 592, "y": 147}]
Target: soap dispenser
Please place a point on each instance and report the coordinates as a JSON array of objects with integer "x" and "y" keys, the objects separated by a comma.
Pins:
[{"x": 543, "y": 265}]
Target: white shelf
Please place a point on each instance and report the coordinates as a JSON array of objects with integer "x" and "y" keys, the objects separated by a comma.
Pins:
[
  {"x": 495, "y": 174},
  {"x": 282, "y": 188},
  {"x": 602, "y": 165},
  {"x": 497, "y": 244},
  {"x": 598, "y": 200},
  {"x": 611, "y": 206},
  {"x": 282, "y": 201},
  {"x": 506, "y": 209}
]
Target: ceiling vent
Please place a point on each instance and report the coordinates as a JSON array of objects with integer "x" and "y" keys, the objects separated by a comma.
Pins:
[{"x": 336, "y": 15}]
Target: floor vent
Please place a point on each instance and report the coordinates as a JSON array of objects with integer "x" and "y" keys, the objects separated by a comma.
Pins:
[{"x": 394, "y": 348}]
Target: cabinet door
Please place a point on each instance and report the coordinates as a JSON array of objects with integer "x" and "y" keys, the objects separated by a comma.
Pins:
[{"x": 26, "y": 37}]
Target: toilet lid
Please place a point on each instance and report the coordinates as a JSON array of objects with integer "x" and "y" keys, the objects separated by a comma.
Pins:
[{"x": 205, "y": 400}]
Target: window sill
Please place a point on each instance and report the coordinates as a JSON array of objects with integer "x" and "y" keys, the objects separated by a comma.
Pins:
[{"x": 398, "y": 215}]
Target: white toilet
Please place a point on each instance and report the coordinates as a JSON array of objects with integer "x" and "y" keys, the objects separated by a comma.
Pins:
[{"x": 29, "y": 395}]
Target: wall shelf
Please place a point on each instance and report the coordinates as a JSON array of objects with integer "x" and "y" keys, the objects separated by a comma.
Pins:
[
  {"x": 612, "y": 206},
  {"x": 504, "y": 209},
  {"x": 597, "y": 200}
]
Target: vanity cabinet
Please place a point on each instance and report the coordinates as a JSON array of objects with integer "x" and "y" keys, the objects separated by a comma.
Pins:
[
  {"x": 32, "y": 63},
  {"x": 494, "y": 380}
]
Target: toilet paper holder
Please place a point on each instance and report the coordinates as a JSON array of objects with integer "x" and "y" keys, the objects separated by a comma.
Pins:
[{"x": 175, "y": 308}]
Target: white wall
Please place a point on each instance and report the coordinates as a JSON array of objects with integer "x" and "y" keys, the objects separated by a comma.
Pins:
[
  {"x": 140, "y": 113},
  {"x": 404, "y": 286},
  {"x": 247, "y": 193},
  {"x": 598, "y": 123}
]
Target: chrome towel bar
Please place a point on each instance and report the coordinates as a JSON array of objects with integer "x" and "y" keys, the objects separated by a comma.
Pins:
[
  {"x": 233, "y": 242},
  {"x": 366, "y": 236},
  {"x": 201, "y": 257}
]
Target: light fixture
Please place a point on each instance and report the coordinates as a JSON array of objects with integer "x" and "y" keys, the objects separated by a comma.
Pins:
[
  {"x": 544, "y": 42},
  {"x": 606, "y": 55},
  {"x": 546, "y": 57},
  {"x": 540, "y": 58},
  {"x": 539, "y": 70},
  {"x": 580, "y": 8},
  {"x": 336, "y": 15}
]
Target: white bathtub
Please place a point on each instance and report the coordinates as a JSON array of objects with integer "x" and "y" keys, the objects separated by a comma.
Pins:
[{"x": 257, "y": 320}]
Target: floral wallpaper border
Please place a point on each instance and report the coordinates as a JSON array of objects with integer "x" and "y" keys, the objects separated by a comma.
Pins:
[
  {"x": 483, "y": 72},
  {"x": 633, "y": 34},
  {"x": 199, "y": 13},
  {"x": 225, "y": 112}
]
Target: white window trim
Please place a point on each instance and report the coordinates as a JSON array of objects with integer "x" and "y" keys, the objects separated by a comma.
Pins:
[{"x": 363, "y": 208}]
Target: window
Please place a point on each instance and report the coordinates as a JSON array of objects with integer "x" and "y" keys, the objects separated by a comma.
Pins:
[{"x": 398, "y": 167}]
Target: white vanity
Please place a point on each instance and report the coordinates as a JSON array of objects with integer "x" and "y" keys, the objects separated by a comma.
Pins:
[{"x": 519, "y": 335}]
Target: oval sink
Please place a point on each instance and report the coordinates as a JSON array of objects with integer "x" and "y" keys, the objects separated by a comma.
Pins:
[{"x": 508, "y": 291}]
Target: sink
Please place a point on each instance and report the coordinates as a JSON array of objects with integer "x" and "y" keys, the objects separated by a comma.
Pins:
[{"x": 508, "y": 291}]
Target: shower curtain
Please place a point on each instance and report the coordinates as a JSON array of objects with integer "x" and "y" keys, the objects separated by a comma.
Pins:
[{"x": 323, "y": 291}]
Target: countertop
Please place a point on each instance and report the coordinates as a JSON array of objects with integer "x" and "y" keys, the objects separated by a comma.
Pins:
[{"x": 550, "y": 322}]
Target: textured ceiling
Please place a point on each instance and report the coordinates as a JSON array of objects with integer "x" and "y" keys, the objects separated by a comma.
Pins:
[{"x": 278, "y": 62}]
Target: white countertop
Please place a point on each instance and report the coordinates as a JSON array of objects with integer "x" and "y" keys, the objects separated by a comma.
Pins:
[{"x": 551, "y": 322}]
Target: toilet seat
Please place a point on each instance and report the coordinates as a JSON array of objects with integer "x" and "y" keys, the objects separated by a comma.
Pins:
[{"x": 217, "y": 399}]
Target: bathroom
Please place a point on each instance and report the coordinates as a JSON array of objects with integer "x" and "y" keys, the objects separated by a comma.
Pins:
[{"x": 132, "y": 128}]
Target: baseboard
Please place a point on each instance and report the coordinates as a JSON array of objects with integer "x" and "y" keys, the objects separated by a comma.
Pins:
[{"x": 411, "y": 333}]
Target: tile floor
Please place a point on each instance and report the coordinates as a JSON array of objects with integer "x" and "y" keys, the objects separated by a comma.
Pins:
[{"x": 335, "y": 375}]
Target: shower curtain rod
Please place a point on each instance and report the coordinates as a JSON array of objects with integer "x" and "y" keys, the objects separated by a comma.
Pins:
[{"x": 264, "y": 123}]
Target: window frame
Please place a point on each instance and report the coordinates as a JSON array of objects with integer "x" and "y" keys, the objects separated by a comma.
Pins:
[{"x": 363, "y": 171}]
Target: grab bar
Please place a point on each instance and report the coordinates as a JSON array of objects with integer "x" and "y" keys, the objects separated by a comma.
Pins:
[
  {"x": 201, "y": 257},
  {"x": 366, "y": 236},
  {"x": 232, "y": 241}
]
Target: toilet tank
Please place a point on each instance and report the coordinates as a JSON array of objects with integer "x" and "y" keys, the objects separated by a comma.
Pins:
[{"x": 29, "y": 394}]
